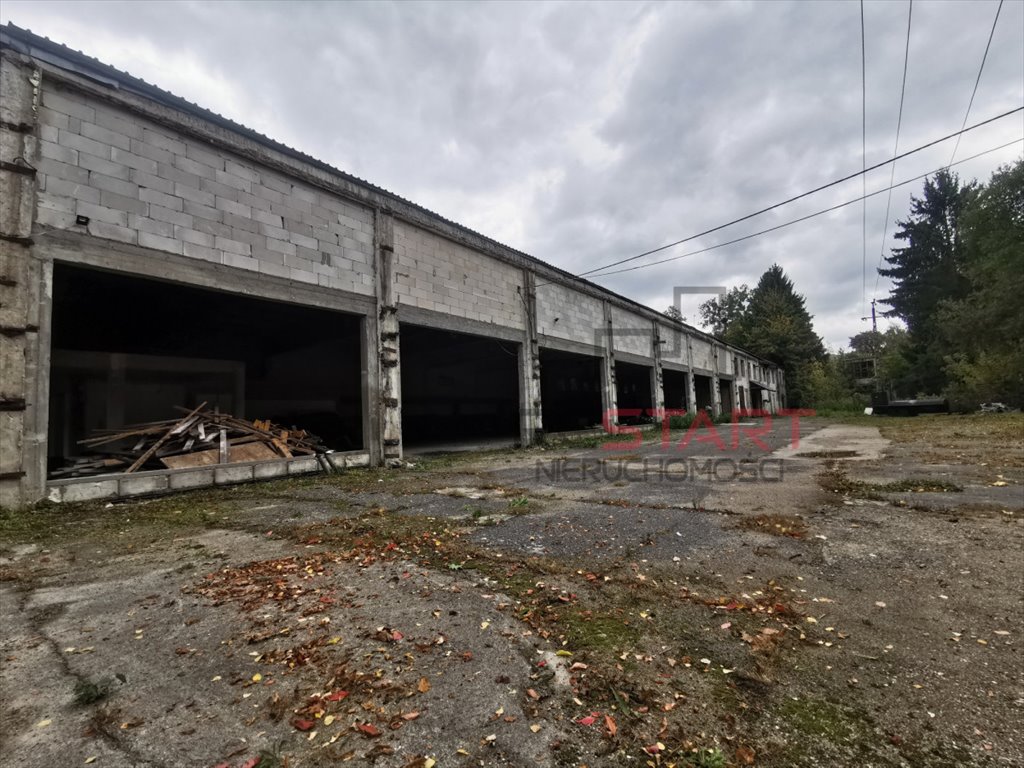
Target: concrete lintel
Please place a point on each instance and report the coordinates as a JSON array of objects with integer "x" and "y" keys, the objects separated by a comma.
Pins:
[
  {"x": 85, "y": 250},
  {"x": 268, "y": 470},
  {"x": 226, "y": 474},
  {"x": 187, "y": 479},
  {"x": 670, "y": 366},
  {"x": 628, "y": 357},
  {"x": 142, "y": 484},
  {"x": 162, "y": 481},
  {"x": 351, "y": 459},
  {"x": 575, "y": 347},
  {"x": 303, "y": 465},
  {"x": 445, "y": 322}
]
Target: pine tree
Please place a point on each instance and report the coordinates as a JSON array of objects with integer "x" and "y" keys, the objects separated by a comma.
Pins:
[
  {"x": 778, "y": 327},
  {"x": 985, "y": 328},
  {"x": 928, "y": 271}
]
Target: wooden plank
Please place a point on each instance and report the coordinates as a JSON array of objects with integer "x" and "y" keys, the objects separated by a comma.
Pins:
[
  {"x": 211, "y": 457},
  {"x": 153, "y": 448}
]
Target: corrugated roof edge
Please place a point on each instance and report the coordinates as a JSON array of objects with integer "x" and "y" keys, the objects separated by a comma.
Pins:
[{"x": 120, "y": 77}]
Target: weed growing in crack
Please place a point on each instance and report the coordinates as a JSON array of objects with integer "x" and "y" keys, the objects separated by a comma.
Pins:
[{"x": 89, "y": 691}]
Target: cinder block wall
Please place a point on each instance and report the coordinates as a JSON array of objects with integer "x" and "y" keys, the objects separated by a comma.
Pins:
[
  {"x": 702, "y": 354},
  {"x": 434, "y": 273},
  {"x": 578, "y": 315},
  {"x": 143, "y": 184},
  {"x": 674, "y": 348},
  {"x": 632, "y": 332}
]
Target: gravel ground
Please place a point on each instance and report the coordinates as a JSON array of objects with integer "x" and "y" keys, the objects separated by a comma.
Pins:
[{"x": 852, "y": 600}]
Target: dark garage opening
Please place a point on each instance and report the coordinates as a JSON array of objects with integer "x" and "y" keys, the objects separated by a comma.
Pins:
[
  {"x": 674, "y": 384},
  {"x": 457, "y": 387},
  {"x": 702, "y": 386},
  {"x": 127, "y": 349},
  {"x": 570, "y": 390},
  {"x": 757, "y": 397},
  {"x": 725, "y": 394},
  {"x": 633, "y": 391}
]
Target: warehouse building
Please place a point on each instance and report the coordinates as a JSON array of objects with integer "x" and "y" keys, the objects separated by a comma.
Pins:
[{"x": 154, "y": 254}]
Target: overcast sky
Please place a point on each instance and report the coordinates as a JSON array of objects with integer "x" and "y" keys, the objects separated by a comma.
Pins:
[{"x": 586, "y": 133}]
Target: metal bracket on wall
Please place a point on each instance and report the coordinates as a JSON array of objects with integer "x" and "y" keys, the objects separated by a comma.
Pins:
[
  {"x": 16, "y": 127},
  {"x": 14, "y": 330},
  {"x": 27, "y": 170},
  {"x": 16, "y": 239}
]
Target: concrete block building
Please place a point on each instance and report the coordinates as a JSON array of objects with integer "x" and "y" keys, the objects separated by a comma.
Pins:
[{"x": 154, "y": 254}]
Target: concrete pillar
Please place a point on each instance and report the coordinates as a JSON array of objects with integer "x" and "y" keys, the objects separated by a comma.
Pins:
[
  {"x": 531, "y": 421},
  {"x": 24, "y": 293},
  {"x": 691, "y": 385},
  {"x": 609, "y": 396},
  {"x": 716, "y": 393},
  {"x": 386, "y": 347},
  {"x": 657, "y": 375}
]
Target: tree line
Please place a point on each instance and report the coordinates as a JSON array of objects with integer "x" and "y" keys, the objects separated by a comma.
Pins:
[{"x": 957, "y": 290}]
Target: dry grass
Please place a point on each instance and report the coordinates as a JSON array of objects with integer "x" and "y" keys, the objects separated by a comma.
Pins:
[
  {"x": 992, "y": 439},
  {"x": 776, "y": 525}
]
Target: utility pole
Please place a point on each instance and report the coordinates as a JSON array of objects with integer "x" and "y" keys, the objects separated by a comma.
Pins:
[{"x": 874, "y": 319}]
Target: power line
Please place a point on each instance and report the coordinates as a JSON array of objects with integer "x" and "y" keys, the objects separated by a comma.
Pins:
[
  {"x": 807, "y": 217},
  {"x": 899, "y": 122},
  {"x": 874, "y": 167},
  {"x": 978, "y": 78},
  {"x": 864, "y": 157}
]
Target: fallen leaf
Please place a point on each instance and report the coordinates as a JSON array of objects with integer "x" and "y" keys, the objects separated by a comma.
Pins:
[
  {"x": 424, "y": 685},
  {"x": 532, "y": 694},
  {"x": 535, "y": 727},
  {"x": 745, "y": 755},
  {"x": 368, "y": 729},
  {"x": 609, "y": 723},
  {"x": 302, "y": 725},
  {"x": 43, "y": 723}
]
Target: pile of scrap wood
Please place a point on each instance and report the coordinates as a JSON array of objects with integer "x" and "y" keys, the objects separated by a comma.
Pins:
[{"x": 197, "y": 439}]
